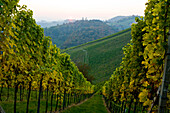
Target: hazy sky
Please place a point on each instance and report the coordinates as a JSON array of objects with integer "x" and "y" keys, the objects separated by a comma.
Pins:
[{"x": 76, "y": 9}]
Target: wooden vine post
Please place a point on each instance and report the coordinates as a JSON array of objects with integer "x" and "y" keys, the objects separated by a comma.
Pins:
[{"x": 165, "y": 81}]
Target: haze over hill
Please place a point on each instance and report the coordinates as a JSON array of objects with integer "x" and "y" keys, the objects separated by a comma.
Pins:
[
  {"x": 119, "y": 21},
  {"x": 122, "y": 22},
  {"x": 48, "y": 24}
]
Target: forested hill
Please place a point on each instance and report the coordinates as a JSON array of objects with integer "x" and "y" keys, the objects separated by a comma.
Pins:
[{"x": 79, "y": 32}]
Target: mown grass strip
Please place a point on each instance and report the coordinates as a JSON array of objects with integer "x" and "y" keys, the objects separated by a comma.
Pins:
[{"x": 92, "y": 105}]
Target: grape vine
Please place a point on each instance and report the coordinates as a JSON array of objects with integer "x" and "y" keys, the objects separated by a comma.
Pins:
[
  {"x": 139, "y": 76},
  {"x": 30, "y": 61}
]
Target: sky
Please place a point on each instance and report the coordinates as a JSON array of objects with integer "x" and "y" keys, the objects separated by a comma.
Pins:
[{"x": 52, "y": 10}]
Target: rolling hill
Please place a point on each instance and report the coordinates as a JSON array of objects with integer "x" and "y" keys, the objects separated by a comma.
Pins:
[
  {"x": 102, "y": 55},
  {"x": 70, "y": 32}
]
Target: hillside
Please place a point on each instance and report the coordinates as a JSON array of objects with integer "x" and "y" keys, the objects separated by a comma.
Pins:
[
  {"x": 70, "y": 32},
  {"x": 102, "y": 55},
  {"x": 79, "y": 32}
]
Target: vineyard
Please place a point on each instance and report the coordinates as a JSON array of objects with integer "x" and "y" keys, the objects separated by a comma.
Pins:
[
  {"x": 102, "y": 57},
  {"x": 30, "y": 63},
  {"x": 134, "y": 85},
  {"x": 36, "y": 77}
]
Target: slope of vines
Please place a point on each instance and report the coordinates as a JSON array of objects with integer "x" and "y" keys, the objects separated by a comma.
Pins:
[
  {"x": 134, "y": 84},
  {"x": 29, "y": 60}
]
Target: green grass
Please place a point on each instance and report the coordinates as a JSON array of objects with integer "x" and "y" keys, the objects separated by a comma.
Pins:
[
  {"x": 92, "y": 105},
  {"x": 8, "y": 106},
  {"x": 103, "y": 55}
]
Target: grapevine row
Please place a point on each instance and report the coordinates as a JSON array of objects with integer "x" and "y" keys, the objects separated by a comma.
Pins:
[
  {"x": 29, "y": 60},
  {"x": 134, "y": 84}
]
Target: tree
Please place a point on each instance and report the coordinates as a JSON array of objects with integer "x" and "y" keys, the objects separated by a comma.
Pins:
[{"x": 85, "y": 68}]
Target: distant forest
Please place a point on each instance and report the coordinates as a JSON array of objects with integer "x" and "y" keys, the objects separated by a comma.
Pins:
[{"x": 82, "y": 31}]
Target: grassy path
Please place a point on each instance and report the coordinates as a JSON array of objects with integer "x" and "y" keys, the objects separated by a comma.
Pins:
[{"x": 92, "y": 105}]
